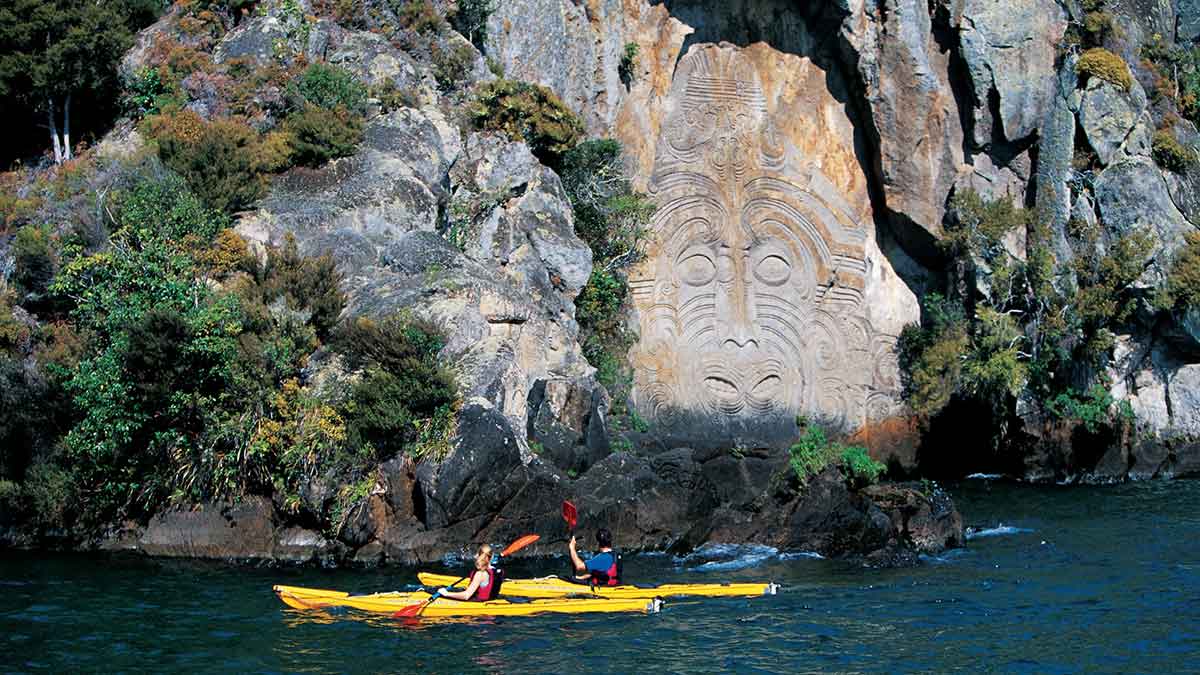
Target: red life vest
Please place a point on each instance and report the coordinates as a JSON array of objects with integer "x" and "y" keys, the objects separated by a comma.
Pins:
[
  {"x": 491, "y": 589},
  {"x": 611, "y": 577}
]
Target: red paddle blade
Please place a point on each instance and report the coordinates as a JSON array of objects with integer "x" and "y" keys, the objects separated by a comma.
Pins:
[
  {"x": 410, "y": 611},
  {"x": 569, "y": 514},
  {"x": 520, "y": 544}
]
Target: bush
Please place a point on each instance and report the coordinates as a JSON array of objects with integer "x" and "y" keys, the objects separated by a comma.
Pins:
[
  {"x": 317, "y": 135},
  {"x": 528, "y": 112},
  {"x": 1101, "y": 63},
  {"x": 1182, "y": 287},
  {"x": 931, "y": 356},
  {"x": 860, "y": 469},
  {"x": 811, "y": 454},
  {"x": 49, "y": 495},
  {"x": 1169, "y": 153},
  {"x": 628, "y": 65},
  {"x": 452, "y": 63},
  {"x": 328, "y": 87},
  {"x": 470, "y": 20},
  {"x": 406, "y": 400},
  {"x": 420, "y": 16},
  {"x": 392, "y": 97},
  {"x": 609, "y": 215},
  {"x": 307, "y": 284},
  {"x": 1099, "y": 25},
  {"x": 34, "y": 259},
  {"x": 980, "y": 225},
  {"x": 1093, "y": 409},
  {"x": 222, "y": 161},
  {"x": 148, "y": 92}
]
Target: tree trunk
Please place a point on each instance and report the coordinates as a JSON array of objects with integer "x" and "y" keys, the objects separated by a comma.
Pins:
[
  {"x": 58, "y": 153},
  {"x": 66, "y": 142}
]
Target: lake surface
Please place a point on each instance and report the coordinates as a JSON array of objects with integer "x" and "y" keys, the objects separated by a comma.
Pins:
[{"x": 1054, "y": 580}]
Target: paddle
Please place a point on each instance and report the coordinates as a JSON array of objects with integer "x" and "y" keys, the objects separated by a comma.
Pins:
[
  {"x": 569, "y": 514},
  {"x": 415, "y": 610}
]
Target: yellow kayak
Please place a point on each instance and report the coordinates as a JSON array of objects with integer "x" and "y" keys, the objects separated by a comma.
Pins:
[
  {"x": 556, "y": 587},
  {"x": 388, "y": 603}
]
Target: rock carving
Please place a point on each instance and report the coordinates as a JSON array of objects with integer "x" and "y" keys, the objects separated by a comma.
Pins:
[{"x": 750, "y": 302}]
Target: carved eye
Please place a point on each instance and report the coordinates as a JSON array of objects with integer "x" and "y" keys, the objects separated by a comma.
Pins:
[
  {"x": 720, "y": 388},
  {"x": 697, "y": 269},
  {"x": 767, "y": 388},
  {"x": 773, "y": 270}
]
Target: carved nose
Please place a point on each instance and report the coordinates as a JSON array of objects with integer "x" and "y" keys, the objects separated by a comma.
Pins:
[{"x": 740, "y": 337}]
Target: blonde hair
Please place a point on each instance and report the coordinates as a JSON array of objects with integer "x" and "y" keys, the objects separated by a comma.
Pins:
[{"x": 483, "y": 559}]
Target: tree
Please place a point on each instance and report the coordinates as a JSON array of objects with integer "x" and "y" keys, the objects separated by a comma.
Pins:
[{"x": 53, "y": 53}]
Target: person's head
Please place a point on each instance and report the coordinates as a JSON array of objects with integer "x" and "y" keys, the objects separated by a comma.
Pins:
[
  {"x": 603, "y": 538},
  {"x": 484, "y": 558}
]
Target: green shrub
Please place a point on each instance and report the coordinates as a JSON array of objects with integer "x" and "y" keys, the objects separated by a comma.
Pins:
[
  {"x": 811, "y": 453},
  {"x": 34, "y": 259},
  {"x": 528, "y": 112},
  {"x": 1099, "y": 25},
  {"x": 405, "y": 401},
  {"x": 931, "y": 356},
  {"x": 317, "y": 135},
  {"x": 10, "y": 499},
  {"x": 1093, "y": 409},
  {"x": 391, "y": 97},
  {"x": 148, "y": 92},
  {"x": 860, "y": 469},
  {"x": 609, "y": 215},
  {"x": 470, "y": 20},
  {"x": 1101, "y": 63},
  {"x": 49, "y": 495},
  {"x": 420, "y": 16},
  {"x": 628, "y": 65},
  {"x": 1182, "y": 287},
  {"x": 1169, "y": 153},
  {"x": 452, "y": 63},
  {"x": 993, "y": 369},
  {"x": 980, "y": 225},
  {"x": 328, "y": 87},
  {"x": 304, "y": 283},
  {"x": 223, "y": 161}
]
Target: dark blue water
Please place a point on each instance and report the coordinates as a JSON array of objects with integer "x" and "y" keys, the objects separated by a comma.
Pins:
[{"x": 1060, "y": 580}]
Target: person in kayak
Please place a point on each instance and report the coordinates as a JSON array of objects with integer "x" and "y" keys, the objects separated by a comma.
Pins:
[
  {"x": 602, "y": 569},
  {"x": 485, "y": 581}
]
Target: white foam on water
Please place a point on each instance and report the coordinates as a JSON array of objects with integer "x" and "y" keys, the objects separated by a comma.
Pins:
[
  {"x": 998, "y": 531},
  {"x": 726, "y": 557},
  {"x": 984, "y": 476},
  {"x": 801, "y": 555}
]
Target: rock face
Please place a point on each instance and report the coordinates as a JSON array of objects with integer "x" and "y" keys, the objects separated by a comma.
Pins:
[
  {"x": 759, "y": 297},
  {"x": 501, "y": 284}
]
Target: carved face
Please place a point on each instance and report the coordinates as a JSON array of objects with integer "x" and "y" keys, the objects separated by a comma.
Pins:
[
  {"x": 739, "y": 281},
  {"x": 750, "y": 302}
]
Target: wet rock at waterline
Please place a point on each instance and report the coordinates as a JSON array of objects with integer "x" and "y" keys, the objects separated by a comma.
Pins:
[{"x": 675, "y": 500}]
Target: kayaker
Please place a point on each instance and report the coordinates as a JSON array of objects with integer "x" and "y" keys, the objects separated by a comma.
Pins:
[
  {"x": 485, "y": 581},
  {"x": 602, "y": 569}
]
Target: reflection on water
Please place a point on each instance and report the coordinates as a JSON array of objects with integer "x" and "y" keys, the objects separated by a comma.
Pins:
[{"x": 1065, "y": 580}]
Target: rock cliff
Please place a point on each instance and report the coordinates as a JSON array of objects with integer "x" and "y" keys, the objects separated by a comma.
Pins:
[{"x": 805, "y": 159}]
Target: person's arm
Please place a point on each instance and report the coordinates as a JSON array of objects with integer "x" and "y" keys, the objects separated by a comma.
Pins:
[
  {"x": 580, "y": 567},
  {"x": 476, "y": 581}
]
